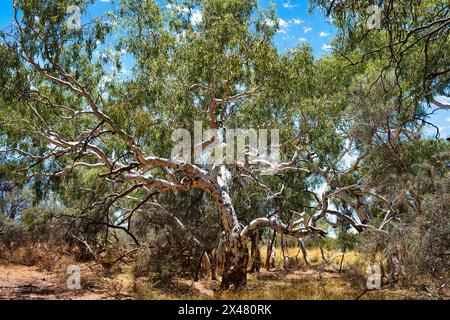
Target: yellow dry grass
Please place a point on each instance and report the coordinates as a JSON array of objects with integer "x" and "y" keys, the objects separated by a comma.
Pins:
[
  {"x": 351, "y": 258},
  {"x": 295, "y": 281},
  {"x": 286, "y": 281}
]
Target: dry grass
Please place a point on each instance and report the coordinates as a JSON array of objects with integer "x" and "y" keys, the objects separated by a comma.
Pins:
[
  {"x": 351, "y": 259},
  {"x": 292, "y": 281},
  {"x": 297, "y": 281}
]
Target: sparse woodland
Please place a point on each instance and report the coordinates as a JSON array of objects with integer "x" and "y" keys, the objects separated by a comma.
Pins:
[{"x": 87, "y": 176}]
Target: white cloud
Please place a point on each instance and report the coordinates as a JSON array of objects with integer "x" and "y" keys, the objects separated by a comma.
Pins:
[
  {"x": 177, "y": 8},
  {"x": 302, "y": 39},
  {"x": 326, "y": 47},
  {"x": 448, "y": 119},
  {"x": 269, "y": 22},
  {"x": 104, "y": 0},
  {"x": 307, "y": 29},
  {"x": 282, "y": 23},
  {"x": 196, "y": 15},
  {"x": 289, "y": 5},
  {"x": 324, "y": 34},
  {"x": 442, "y": 100},
  {"x": 284, "y": 26}
]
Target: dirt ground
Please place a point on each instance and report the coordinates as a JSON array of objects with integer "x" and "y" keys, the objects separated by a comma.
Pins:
[{"x": 24, "y": 282}]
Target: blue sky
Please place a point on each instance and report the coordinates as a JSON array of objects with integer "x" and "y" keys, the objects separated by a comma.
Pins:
[{"x": 297, "y": 25}]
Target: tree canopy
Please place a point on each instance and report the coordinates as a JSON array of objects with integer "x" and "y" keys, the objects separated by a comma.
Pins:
[{"x": 87, "y": 116}]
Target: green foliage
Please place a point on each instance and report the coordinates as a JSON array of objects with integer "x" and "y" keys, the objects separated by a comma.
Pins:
[
  {"x": 347, "y": 241},
  {"x": 150, "y": 69}
]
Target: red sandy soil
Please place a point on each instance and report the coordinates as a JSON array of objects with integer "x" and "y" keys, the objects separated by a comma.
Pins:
[{"x": 25, "y": 283}]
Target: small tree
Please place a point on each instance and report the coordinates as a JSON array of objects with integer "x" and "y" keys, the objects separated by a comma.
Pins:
[{"x": 346, "y": 241}]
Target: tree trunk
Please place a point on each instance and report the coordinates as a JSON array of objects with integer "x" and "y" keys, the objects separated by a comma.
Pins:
[
  {"x": 342, "y": 261},
  {"x": 235, "y": 262},
  {"x": 213, "y": 265},
  {"x": 285, "y": 259},
  {"x": 232, "y": 253},
  {"x": 204, "y": 266},
  {"x": 282, "y": 247},
  {"x": 256, "y": 255},
  {"x": 322, "y": 253},
  {"x": 301, "y": 243},
  {"x": 395, "y": 268},
  {"x": 269, "y": 250}
]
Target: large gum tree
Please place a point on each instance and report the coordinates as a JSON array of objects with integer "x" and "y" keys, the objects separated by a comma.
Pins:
[{"x": 105, "y": 98}]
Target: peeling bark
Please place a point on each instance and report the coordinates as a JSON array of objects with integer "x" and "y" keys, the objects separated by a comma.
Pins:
[{"x": 236, "y": 261}]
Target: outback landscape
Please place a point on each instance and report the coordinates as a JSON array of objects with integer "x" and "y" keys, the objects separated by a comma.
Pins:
[
  {"x": 217, "y": 150},
  {"x": 319, "y": 280}
]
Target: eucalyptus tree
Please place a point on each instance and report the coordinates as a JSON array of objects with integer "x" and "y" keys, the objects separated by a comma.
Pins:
[
  {"x": 394, "y": 49},
  {"x": 93, "y": 106},
  {"x": 402, "y": 40},
  {"x": 75, "y": 109}
]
